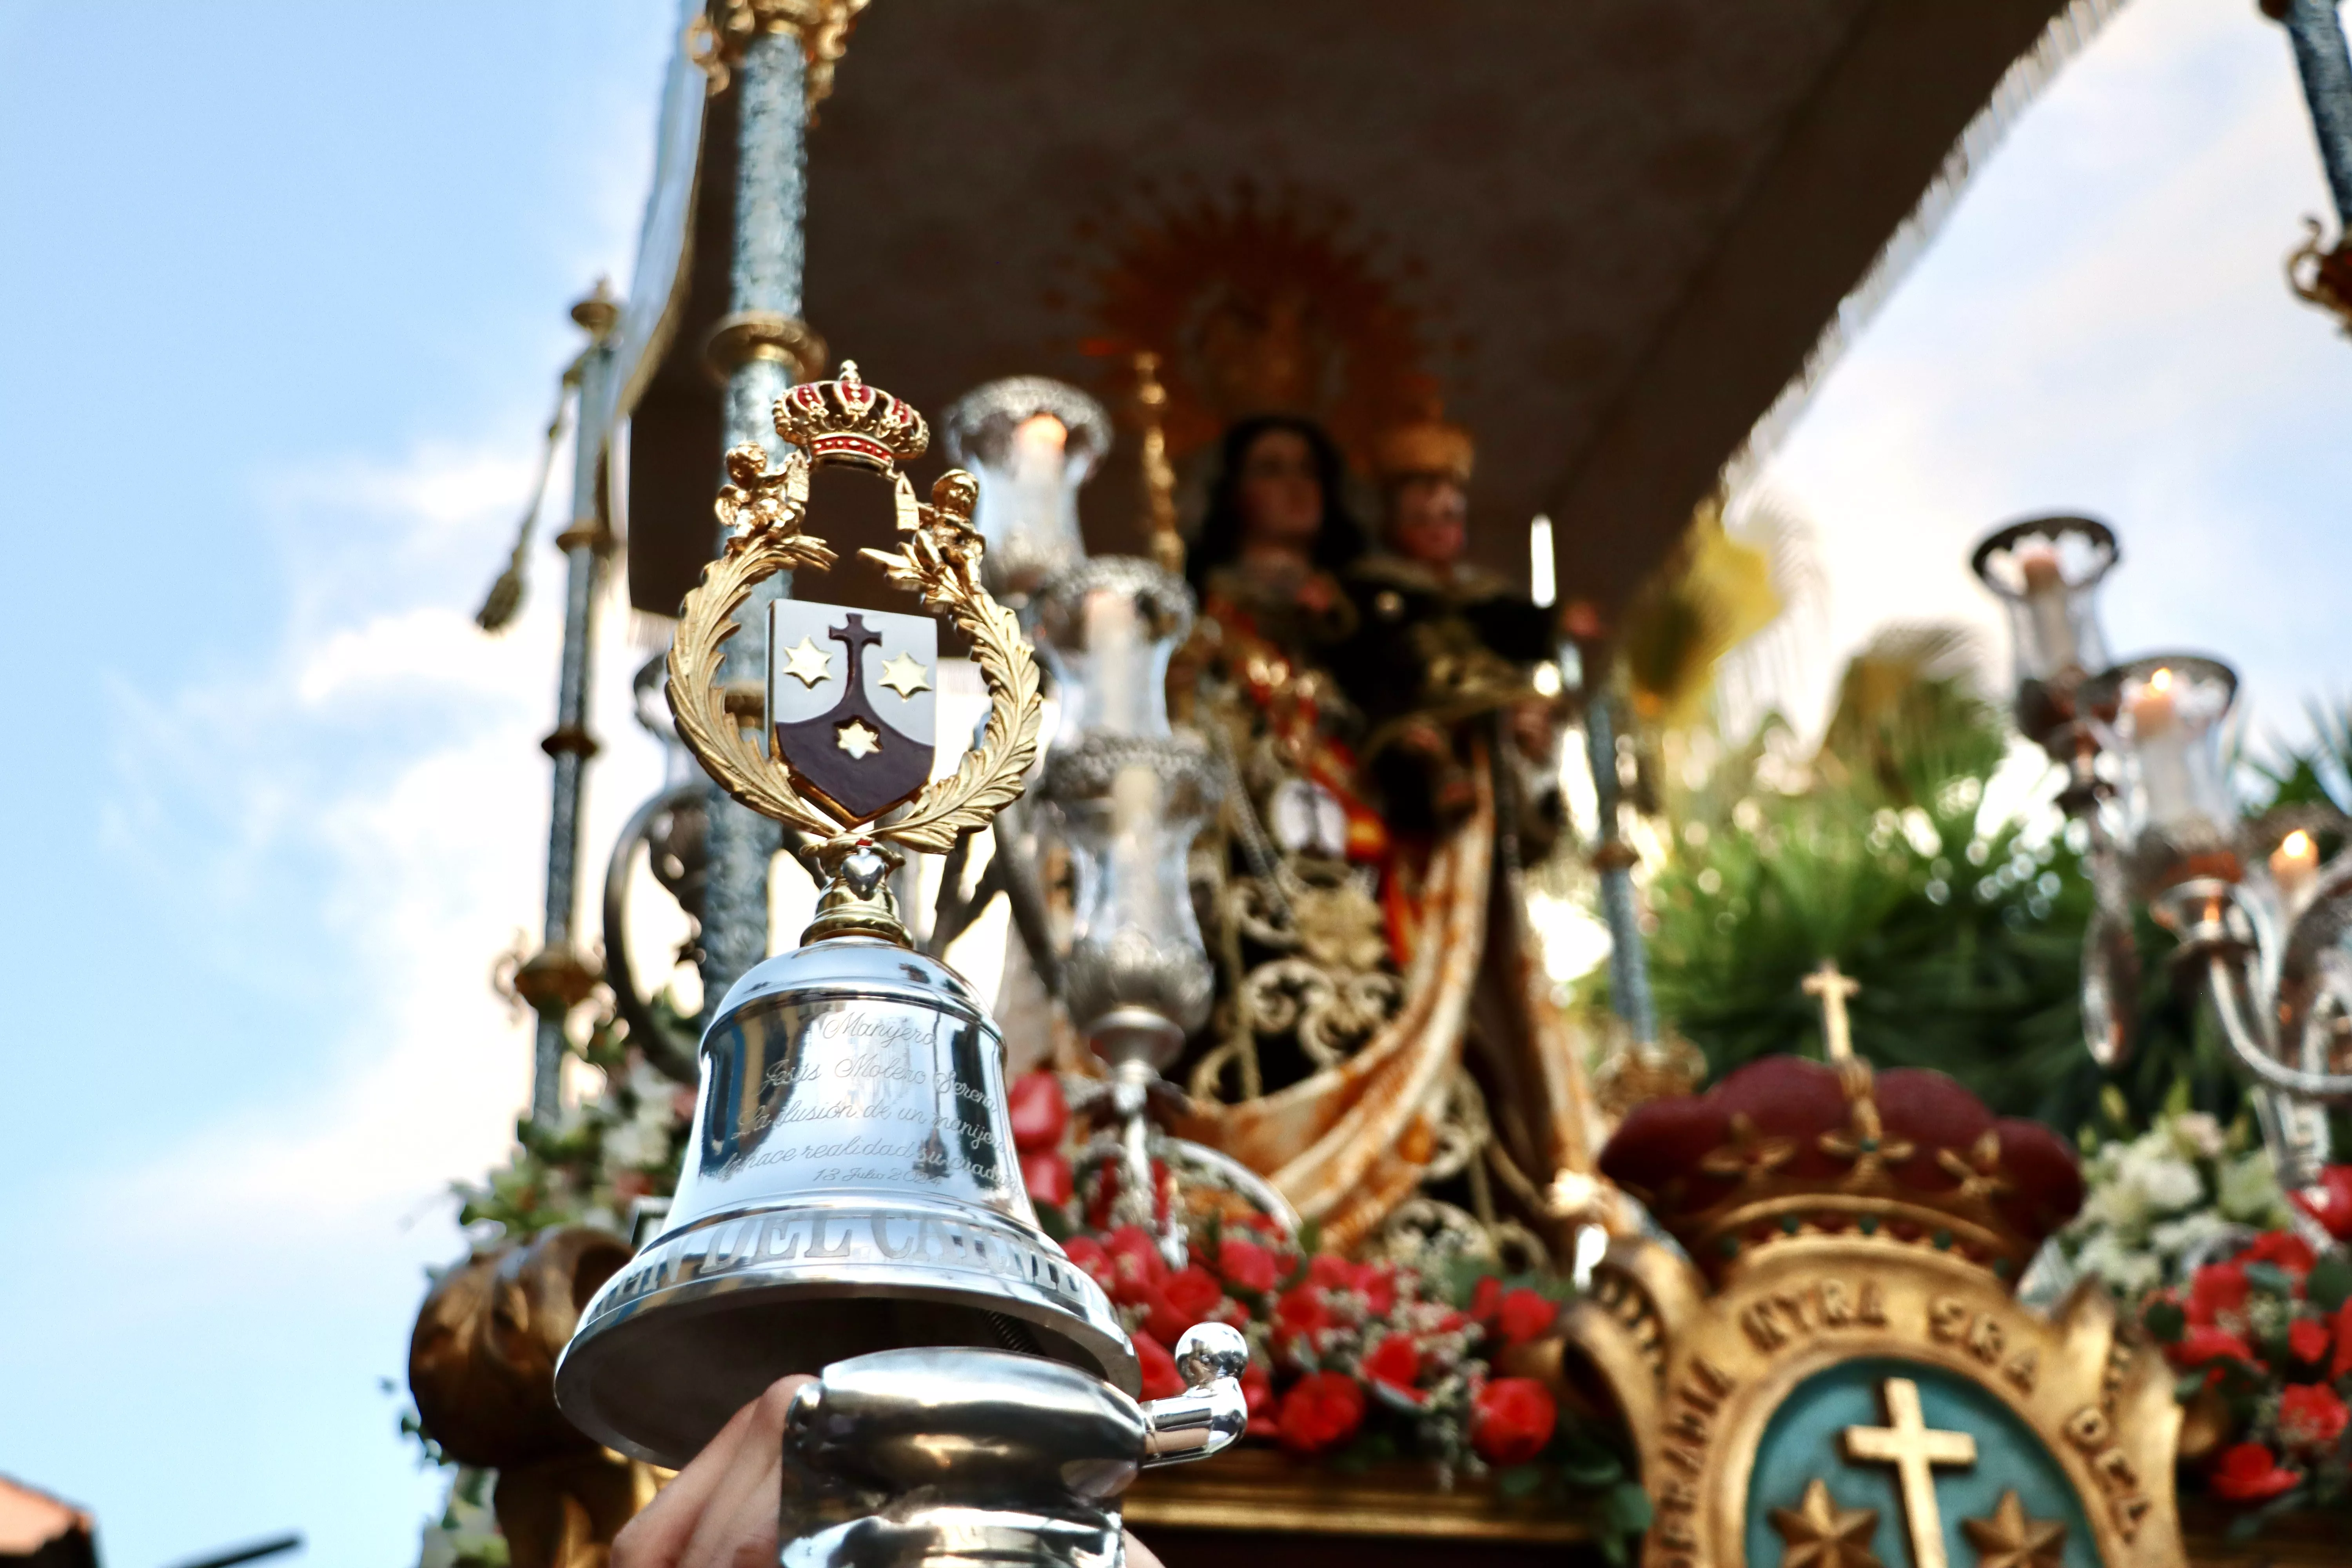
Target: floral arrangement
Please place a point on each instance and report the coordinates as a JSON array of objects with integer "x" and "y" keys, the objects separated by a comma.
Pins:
[
  {"x": 615, "y": 1146},
  {"x": 2187, "y": 1222},
  {"x": 2158, "y": 1203},
  {"x": 1350, "y": 1362},
  {"x": 2264, "y": 1343}
]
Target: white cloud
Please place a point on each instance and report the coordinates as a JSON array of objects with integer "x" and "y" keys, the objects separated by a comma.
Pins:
[
  {"x": 2102, "y": 326},
  {"x": 361, "y": 819}
]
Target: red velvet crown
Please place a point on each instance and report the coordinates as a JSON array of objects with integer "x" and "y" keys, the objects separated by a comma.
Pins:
[{"x": 1787, "y": 1147}]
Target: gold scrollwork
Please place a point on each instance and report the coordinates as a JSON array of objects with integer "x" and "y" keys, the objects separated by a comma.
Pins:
[
  {"x": 2321, "y": 275},
  {"x": 716, "y": 40},
  {"x": 937, "y": 560}
]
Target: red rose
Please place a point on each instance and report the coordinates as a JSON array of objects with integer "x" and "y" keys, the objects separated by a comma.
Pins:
[
  {"x": 1046, "y": 1176},
  {"x": 2330, "y": 1201},
  {"x": 1159, "y": 1377},
  {"x": 1136, "y": 1264},
  {"x": 2247, "y": 1472},
  {"x": 1182, "y": 1300},
  {"x": 1246, "y": 1264},
  {"x": 1257, "y": 1387},
  {"x": 2307, "y": 1337},
  {"x": 1299, "y": 1313},
  {"x": 1487, "y": 1299},
  {"x": 1378, "y": 1282},
  {"x": 1331, "y": 1271},
  {"x": 2311, "y": 1417},
  {"x": 2204, "y": 1343},
  {"x": 1321, "y": 1411},
  {"x": 1088, "y": 1254},
  {"x": 1395, "y": 1361},
  {"x": 1511, "y": 1420},
  {"x": 2216, "y": 1294},
  {"x": 1039, "y": 1112},
  {"x": 1524, "y": 1315},
  {"x": 2284, "y": 1249}
]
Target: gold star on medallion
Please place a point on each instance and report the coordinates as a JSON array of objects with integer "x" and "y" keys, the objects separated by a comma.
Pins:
[
  {"x": 857, "y": 739},
  {"x": 808, "y": 663},
  {"x": 2010, "y": 1538},
  {"x": 1822, "y": 1535},
  {"x": 904, "y": 675}
]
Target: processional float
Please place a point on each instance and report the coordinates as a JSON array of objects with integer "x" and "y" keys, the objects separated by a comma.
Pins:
[{"x": 851, "y": 1205}]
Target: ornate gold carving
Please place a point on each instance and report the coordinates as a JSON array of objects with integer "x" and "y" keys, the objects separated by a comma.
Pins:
[
  {"x": 2012, "y": 1539},
  {"x": 716, "y": 40},
  {"x": 749, "y": 335},
  {"x": 938, "y": 558},
  {"x": 2103, "y": 1406},
  {"x": 1822, "y": 1535},
  {"x": 2321, "y": 275},
  {"x": 1158, "y": 474}
]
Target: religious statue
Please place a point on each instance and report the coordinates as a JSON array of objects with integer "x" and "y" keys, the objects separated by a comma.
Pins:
[{"x": 1440, "y": 641}]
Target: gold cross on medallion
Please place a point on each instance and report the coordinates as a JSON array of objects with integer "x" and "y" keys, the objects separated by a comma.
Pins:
[
  {"x": 1907, "y": 1443},
  {"x": 1832, "y": 988}
]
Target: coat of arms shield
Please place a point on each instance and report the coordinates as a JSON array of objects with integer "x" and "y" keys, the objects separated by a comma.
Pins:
[{"x": 852, "y": 698}]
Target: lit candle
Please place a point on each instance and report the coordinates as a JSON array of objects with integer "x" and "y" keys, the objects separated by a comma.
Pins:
[
  {"x": 1039, "y": 440},
  {"x": 2161, "y": 747},
  {"x": 1118, "y": 669},
  {"x": 2294, "y": 867},
  {"x": 2046, "y": 607}
]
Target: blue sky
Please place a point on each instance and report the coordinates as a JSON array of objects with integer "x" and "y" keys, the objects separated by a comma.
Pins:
[{"x": 288, "y": 288}]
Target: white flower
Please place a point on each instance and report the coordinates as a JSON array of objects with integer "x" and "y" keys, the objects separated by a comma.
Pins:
[
  {"x": 2127, "y": 1271},
  {"x": 2167, "y": 1182},
  {"x": 651, "y": 1086},
  {"x": 2250, "y": 1191},
  {"x": 2115, "y": 1205},
  {"x": 2198, "y": 1135},
  {"x": 2176, "y": 1238},
  {"x": 638, "y": 1144}
]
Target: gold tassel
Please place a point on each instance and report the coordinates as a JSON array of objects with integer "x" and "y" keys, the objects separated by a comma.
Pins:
[{"x": 504, "y": 601}]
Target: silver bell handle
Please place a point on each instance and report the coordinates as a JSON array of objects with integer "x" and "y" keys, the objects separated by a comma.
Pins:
[{"x": 1212, "y": 1413}]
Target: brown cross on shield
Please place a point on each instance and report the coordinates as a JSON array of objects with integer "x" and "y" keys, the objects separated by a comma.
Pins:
[{"x": 852, "y": 703}]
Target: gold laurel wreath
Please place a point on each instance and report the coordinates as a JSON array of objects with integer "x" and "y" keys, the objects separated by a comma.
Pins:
[{"x": 938, "y": 558}]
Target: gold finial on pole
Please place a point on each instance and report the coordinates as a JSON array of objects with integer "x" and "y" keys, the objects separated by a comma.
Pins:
[
  {"x": 1159, "y": 476},
  {"x": 716, "y": 40},
  {"x": 1832, "y": 988}
]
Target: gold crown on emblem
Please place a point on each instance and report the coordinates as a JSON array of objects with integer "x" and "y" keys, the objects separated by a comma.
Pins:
[{"x": 845, "y": 421}]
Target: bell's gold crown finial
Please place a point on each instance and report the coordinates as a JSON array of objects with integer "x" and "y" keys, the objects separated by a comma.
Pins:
[{"x": 845, "y": 421}]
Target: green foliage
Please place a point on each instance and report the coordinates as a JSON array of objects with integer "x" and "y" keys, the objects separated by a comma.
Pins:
[
  {"x": 619, "y": 1145},
  {"x": 1965, "y": 933},
  {"x": 1966, "y": 936}
]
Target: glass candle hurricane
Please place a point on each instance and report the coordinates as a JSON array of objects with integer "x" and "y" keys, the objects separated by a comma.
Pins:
[
  {"x": 2046, "y": 570},
  {"x": 1107, "y": 627},
  {"x": 2161, "y": 716},
  {"x": 1032, "y": 442}
]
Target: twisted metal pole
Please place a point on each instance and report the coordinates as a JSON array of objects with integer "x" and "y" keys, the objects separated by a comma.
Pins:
[
  {"x": 1628, "y": 963},
  {"x": 764, "y": 297},
  {"x": 557, "y": 978},
  {"x": 2325, "y": 63}
]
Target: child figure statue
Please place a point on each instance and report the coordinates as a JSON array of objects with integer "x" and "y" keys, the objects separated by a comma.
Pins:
[{"x": 1439, "y": 640}]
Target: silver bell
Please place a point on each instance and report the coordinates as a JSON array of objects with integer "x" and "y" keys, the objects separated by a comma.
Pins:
[{"x": 850, "y": 1187}]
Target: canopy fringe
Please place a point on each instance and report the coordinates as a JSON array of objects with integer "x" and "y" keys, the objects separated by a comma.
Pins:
[{"x": 2067, "y": 34}]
